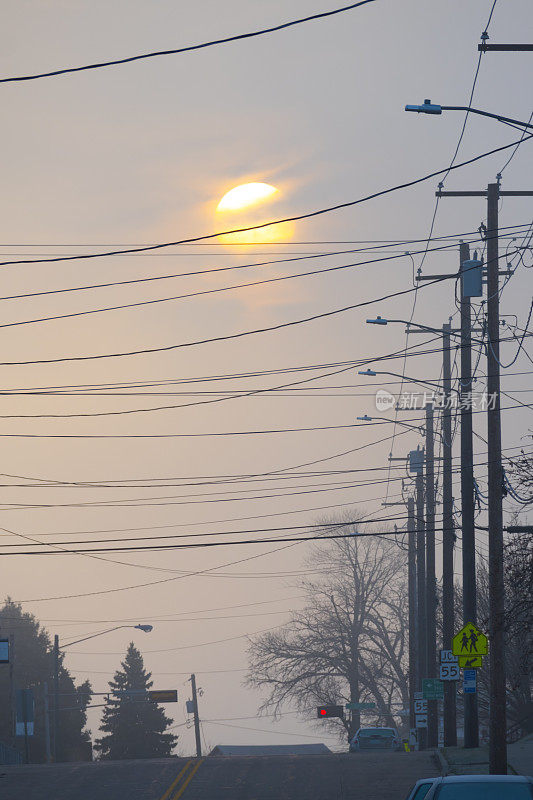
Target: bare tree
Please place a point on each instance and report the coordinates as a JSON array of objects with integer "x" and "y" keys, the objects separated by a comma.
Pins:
[{"x": 349, "y": 643}]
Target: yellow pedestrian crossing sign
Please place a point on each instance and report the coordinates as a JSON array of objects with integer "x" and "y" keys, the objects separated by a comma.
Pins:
[
  {"x": 470, "y": 662},
  {"x": 469, "y": 641}
]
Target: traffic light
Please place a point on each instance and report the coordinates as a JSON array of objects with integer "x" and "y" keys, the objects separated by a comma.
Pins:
[{"x": 323, "y": 712}]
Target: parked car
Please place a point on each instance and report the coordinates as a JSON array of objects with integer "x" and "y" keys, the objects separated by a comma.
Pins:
[
  {"x": 375, "y": 739},
  {"x": 421, "y": 788},
  {"x": 474, "y": 787}
]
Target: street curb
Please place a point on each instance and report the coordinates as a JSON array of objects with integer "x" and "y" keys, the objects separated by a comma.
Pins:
[{"x": 443, "y": 764}]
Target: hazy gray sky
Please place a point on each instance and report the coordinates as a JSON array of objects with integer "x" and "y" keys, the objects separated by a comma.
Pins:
[{"x": 142, "y": 153}]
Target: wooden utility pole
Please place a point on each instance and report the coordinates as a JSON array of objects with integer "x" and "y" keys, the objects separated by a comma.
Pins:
[
  {"x": 196, "y": 717},
  {"x": 468, "y": 531},
  {"x": 55, "y": 718},
  {"x": 413, "y": 628},
  {"x": 497, "y": 692},
  {"x": 448, "y": 539},
  {"x": 421, "y": 592},
  {"x": 431, "y": 584},
  {"x": 497, "y": 702}
]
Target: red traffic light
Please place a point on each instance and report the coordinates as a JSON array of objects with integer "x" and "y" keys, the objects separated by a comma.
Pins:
[{"x": 330, "y": 711}]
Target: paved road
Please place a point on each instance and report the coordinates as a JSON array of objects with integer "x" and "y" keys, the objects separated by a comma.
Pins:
[{"x": 361, "y": 776}]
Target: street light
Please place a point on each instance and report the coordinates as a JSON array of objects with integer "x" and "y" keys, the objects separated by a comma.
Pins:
[
  {"x": 419, "y": 428},
  {"x": 146, "y": 628},
  {"x": 428, "y": 107},
  {"x": 140, "y": 627},
  {"x": 370, "y": 373}
]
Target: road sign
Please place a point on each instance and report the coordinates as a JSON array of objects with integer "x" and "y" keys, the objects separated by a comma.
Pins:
[
  {"x": 163, "y": 695},
  {"x": 4, "y": 651},
  {"x": 418, "y": 695},
  {"x": 329, "y": 711},
  {"x": 469, "y": 641},
  {"x": 421, "y": 720},
  {"x": 470, "y": 662},
  {"x": 433, "y": 689},
  {"x": 447, "y": 657},
  {"x": 359, "y": 706},
  {"x": 25, "y": 712},
  {"x": 450, "y": 672},
  {"x": 469, "y": 681},
  {"x": 421, "y": 706}
]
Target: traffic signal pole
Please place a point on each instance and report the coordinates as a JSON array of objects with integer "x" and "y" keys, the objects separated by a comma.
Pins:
[
  {"x": 431, "y": 585},
  {"x": 448, "y": 539}
]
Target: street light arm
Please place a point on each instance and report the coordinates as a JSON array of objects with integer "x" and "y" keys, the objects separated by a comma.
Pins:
[
  {"x": 406, "y": 378},
  {"x": 431, "y": 108},
  {"x": 109, "y": 630},
  {"x": 419, "y": 428}
]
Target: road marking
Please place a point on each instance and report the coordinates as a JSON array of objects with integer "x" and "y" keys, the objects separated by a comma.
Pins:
[
  {"x": 187, "y": 780},
  {"x": 175, "y": 781}
]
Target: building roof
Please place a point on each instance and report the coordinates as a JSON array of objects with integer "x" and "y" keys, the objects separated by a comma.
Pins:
[{"x": 269, "y": 750}]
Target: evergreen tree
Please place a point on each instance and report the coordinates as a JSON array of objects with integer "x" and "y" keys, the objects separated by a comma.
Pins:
[
  {"x": 32, "y": 666},
  {"x": 134, "y": 726}
]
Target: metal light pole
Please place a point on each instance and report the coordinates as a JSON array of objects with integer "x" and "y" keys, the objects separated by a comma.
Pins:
[{"x": 55, "y": 707}]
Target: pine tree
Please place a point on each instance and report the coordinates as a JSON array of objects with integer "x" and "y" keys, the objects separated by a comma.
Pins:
[{"x": 133, "y": 726}]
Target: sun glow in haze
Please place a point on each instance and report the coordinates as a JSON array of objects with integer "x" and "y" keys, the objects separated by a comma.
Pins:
[
  {"x": 242, "y": 207},
  {"x": 246, "y": 195}
]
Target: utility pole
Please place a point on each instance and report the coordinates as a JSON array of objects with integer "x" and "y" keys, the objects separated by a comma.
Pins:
[
  {"x": 12, "y": 698},
  {"x": 413, "y": 628},
  {"x": 196, "y": 718},
  {"x": 431, "y": 585},
  {"x": 471, "y": 725},
  {"x": 497, "y": 694},
  {"x": 497, "y": 723},
  {"x": 46, "y": 703},
  {"x": 56, "y": 697},
  {"x": 448, "y": 539},
  {"x": 421, "y": 591}
]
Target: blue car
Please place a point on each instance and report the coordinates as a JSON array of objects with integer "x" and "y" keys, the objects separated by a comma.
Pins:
[
  {"x": 474, "y": 787},
  {"x": 375, "y": 739}
]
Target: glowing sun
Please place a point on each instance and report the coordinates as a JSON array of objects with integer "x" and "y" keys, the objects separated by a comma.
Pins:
[
  {"x": 242, "y": 207},
  {"x": 246, "y": 195}
]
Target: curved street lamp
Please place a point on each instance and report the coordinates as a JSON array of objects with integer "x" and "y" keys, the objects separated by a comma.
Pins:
[
  {"x": 428, "y": 107},
  {"x": 146, "y": 628}
]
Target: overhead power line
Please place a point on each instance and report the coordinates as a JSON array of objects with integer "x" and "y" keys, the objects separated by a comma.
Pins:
[
  {"x": 188, "y": 49},
  {"x": 296, "y": 218},
  {"x": 232, "y": 336}
]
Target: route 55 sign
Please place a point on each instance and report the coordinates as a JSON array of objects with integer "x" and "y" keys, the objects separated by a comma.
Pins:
[
  {"x": 421, "y": 706},
  {"x": 449, "y": 672}
]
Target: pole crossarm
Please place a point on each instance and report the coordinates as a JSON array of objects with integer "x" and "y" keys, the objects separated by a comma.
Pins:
[
  {"x": 504, "y": 48},
  {"x": 502, "y": 193}
]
